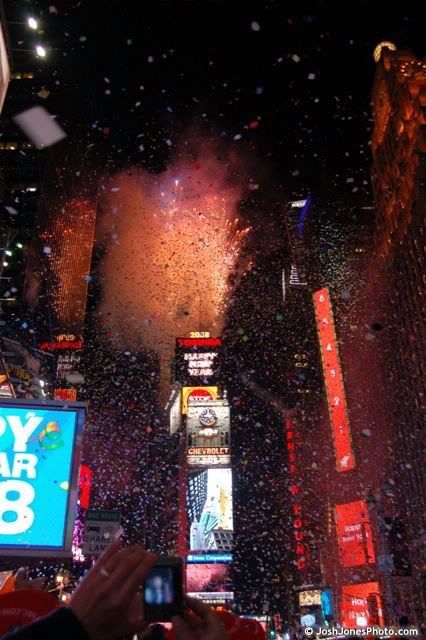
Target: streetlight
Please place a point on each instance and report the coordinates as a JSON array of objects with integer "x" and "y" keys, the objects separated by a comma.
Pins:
[
  {"x": 40, "y": 51},
  {"x": 32, "y": 23}
]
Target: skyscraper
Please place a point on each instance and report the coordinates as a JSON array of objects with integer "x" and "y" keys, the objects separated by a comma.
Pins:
[{"x": 399, "y": 184}]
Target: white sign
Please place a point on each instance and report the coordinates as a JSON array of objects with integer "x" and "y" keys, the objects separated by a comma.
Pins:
[{"x": 101, "y": 528}]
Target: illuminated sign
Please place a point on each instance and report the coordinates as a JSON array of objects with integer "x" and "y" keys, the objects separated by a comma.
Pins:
[
  {"x": 213, "y": 598},
  {"x": 354, "y": 536},
  {"x": 55, "y": 346},
  {"x": 67, "y": 363},
  {"x": 208, "y": 433},
  {"x": 361, "y": 605},
  {"x": 199, "y": 342},
  {"x": 197, "y": 393},
  {"x": 209, "y": 557},
  {"x": 209, "y": 507},
  {"x": 196, "y": 360},
  {"x": 310, "y": 598},
  {"x": 199, "y": 334},
  {"x": 299, "y": 544},
  {"x": 200, "y": 364},
  {"x": 84, "y": 486},
  {"x": 333, "y": 381},
  {"x": 209, "y": 578},
  {"x": 39, "y": 455},
  {"x": 69, "y": 395}
]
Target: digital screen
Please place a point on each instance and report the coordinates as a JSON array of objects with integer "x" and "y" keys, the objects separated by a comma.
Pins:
[
  {"x": 208, "y": 434},
  {"x": 336, "y": 399},
  {"x": 361, "y": 605},
  {"x": 39, "y": 451},
  {"x": 354, "y": 536},
  {"x": 208, "y": 578},
  {"x": 309, "y": 598},
  {"x": 196, "y": 361},
  {"x": 308, "y": 620},
  {"x": 159, "y": 588},
  {"x": 209, "y": 507}
]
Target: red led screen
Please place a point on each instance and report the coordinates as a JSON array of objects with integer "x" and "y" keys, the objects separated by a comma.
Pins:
[
  {"x": 333, "y": 381},
  {"x": 354, "y": 534},
  {"x": 361, "y": 605}
]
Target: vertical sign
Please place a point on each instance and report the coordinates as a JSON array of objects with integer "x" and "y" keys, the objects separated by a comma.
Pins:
[
  {"x": 333, "y": 381},
  {"x": 292, "y": 442},
  {"x": 354, "y": 535}
]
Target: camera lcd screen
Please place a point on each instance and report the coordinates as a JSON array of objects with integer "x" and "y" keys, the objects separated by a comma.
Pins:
[{"x": 159, "y": 587}]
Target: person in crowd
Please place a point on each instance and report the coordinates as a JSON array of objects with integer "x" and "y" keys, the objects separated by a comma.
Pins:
[{"x": 106, "y": 605}]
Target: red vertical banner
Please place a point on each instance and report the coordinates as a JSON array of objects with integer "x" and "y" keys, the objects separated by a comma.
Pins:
[
  {"x": 354, "y": 536},
  {"x": 333, "y": 381}
]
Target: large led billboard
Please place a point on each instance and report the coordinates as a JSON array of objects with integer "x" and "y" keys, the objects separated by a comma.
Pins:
[
  {"x": 333, "y": 381},
  {"x": 354, "y": 536},
  {"x": 196, "y": 360},
  {"x": 209, "y": 581},
  {"x": 208, "y": 434},
  {"x": 209, "y": 508},
  {"x": 40, "y": 446},
  {"x": 361, "y": 605}
]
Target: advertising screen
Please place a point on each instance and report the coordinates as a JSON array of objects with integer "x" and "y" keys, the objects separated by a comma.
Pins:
[
  {"x": 361, "y": 605},
  {"x": 208, "y": 434},
  {"x": 354, "y": 536},
  {"x": 209, "y": 507},
  {"x": 39, "y": 459},
  {"x": 336, "y": 399},
  {"x": 197, "y": 394},
  {"x": 196, "y": 361},
  {"x": 210, "y": 578}
]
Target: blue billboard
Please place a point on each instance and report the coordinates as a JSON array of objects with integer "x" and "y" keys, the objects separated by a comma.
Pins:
[{"x": 40, "y": 445}]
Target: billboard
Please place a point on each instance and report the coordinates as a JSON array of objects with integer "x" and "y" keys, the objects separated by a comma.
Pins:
[
  {"x": 40, "y": 446},
  {"x": 209, "y": 509},
  {"x": 197, "y": 394},
  {"x": 196, "y": 361},
  {"x": 208, "y": 434},
  {"x": 361, "y": 605},
  {"x": 354, "y": 536},
  {"x": 333, "y": 381},
  {"x": 211, "y": 578}
]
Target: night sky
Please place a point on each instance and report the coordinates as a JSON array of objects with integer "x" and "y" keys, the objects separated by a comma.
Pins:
[{"x": 287, "y": 84}]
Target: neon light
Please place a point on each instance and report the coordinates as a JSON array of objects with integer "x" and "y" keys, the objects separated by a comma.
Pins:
[
  {"x": 333, "y": 381},
  {"x": 199, "y": 342}
]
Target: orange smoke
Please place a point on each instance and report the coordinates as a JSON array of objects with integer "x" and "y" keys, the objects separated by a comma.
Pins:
[{"x": 174, "y": 240}]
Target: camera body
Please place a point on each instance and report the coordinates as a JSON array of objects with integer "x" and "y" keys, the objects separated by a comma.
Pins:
[{"x": 163, "y": 590}]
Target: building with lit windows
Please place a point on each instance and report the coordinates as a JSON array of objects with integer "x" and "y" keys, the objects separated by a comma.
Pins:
[{"x": 399, "y": 185}]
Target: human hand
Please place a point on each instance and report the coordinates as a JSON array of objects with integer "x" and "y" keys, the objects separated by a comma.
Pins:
[
  {"x": 22, "y": 580},
  {"x": 207, "y": 625},
  {"x": 106, "y": 601}
]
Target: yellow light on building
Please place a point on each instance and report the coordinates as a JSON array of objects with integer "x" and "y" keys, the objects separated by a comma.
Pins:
[{"x": 377, "y": 54}]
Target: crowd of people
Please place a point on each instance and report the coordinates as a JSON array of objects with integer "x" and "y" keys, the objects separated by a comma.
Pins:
[{"x": 107, "y": 605}]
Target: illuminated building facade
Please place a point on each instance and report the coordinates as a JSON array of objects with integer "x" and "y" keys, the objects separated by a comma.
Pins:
[
  {"x": 199, "y": 421},
  {"x": 399, "y": 185}
]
